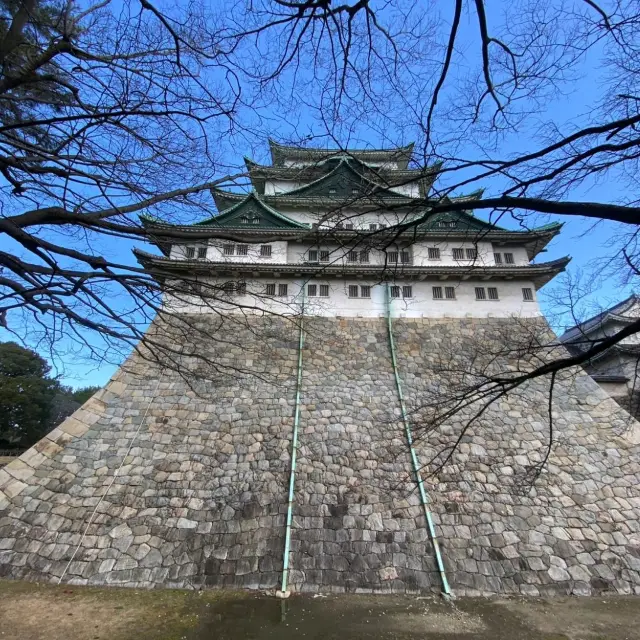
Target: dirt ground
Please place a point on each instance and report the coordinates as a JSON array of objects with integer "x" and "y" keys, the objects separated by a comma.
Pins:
[{"x": 31, "y": 611}]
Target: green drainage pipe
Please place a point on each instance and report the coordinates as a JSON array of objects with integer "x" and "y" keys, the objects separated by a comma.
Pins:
[
  {"x": 414, "y": 458},
  {"x": 283, "y": 593}
]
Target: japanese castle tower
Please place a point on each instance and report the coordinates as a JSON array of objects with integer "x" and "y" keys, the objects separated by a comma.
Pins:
[
  {"x": 335, "y": 227},
  {"x": 337, "y": 316}
]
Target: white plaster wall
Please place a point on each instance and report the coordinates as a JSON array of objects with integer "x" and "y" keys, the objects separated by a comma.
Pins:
[
  {"x": 339, "y": 303},
  {"x": 411, "y": 189},
  {"x": 305, "y": 217},
  {"x": 520, "y": 255},
  {"x": 615, "y": 389},
  {"x": 272, "y": 187}
]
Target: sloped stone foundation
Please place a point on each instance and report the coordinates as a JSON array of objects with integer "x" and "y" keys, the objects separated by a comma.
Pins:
[{"x": 160, "y": 480}]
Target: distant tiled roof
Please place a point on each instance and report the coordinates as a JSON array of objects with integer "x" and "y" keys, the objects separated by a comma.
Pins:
[{"x": 615, "y": 313}]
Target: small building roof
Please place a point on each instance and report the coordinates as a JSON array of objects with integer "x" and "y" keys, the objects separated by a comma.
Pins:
[
  {"x": 280, "y": 153},
  {"x": 613, "y": 314},
  {"x": 424, "y": 176}
]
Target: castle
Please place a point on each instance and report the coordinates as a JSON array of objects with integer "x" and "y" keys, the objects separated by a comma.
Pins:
[
  {"x": 332, "y": 227},
  {"x": 331, "y": 316}
]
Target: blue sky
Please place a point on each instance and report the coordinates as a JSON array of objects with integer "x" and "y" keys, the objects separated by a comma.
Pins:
[{"x": 583, "y": 247}]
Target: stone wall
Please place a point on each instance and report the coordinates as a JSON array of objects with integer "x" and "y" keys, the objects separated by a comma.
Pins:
[{"x": 160, "y": 481}]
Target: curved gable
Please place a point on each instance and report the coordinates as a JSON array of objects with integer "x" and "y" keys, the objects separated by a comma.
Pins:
[
  {"x": 343, "y": 183},
  {"x": 252, "y": 213}
]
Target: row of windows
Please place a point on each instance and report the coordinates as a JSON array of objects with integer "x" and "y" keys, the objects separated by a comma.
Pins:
[
  {"x": 459, "y": 254},
  {"x": 364, "y": 291},
  {"x": 323, "y": 255},
  {"x": 481, "y": 293},
  {"x": 243, "y": 250},
  {"x": 508, "y": 258},
  {"x": 190, "y": 252},
  {"x": 350, "y": 226},
  {"x": 448, "y": 224},
  {"x": 404, "y": 256},
  {"x": 362, "y": 256},
  {"x": 283, "y": 289}
]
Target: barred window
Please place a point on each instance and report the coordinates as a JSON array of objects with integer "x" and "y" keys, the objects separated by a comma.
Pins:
[
  {"x": 244, "y": 220},
  {"x": 265, "y": 251},
  {"x": 364, "y": 256},
  {"x": 353, "y": 290},
  {"x": 255, "y": 220},
  {"x": 437, "y": 293},
  {"x": 373, "y": 227},
  {"x": 332, "y": 191},
  {"x": 458, "y": 254},
  {"x": 324, "y": 290},
  {"x": 283, "y": 289},
  {"x": 241, "y": 288},
  {"x": 392, "y": 257},
  {"x": 242, "y": 249},
  {"x": 450, "y": 293},
  {"x": 228, "y": 287},
  {"x": 508, "y": 258},
  {"x": 452, "y": 223},
  {"x": 407, "y": 291},
  {"x": 270, "y": 289},
  {"x": 202, "y": 253},
  {"x": 395, "y": 291},
  {"x": 365, "y": 291},
  {"x": 405, "y": 257},
  {"x": 493, "y": 293},
  {"x": 190, "y": 252},
  {"x": 434, "y": 253},
  {"x": 313, "y": 255},
  {"x": 228, "y": 249},
  {"x": 527, "y": 294},
  {"x": 472, "y": 254},
  {"x": 312, "y": 290},
  {"x": 497, "y": 258},
  {"x": 352, "y": 256},
  {"x": 481, "y": 293},
  {"x": 348, "y": 226},
  {"x": 324, "y": 256}
]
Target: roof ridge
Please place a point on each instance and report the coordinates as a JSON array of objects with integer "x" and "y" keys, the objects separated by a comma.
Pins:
[{"x": 337, "y": 150}]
